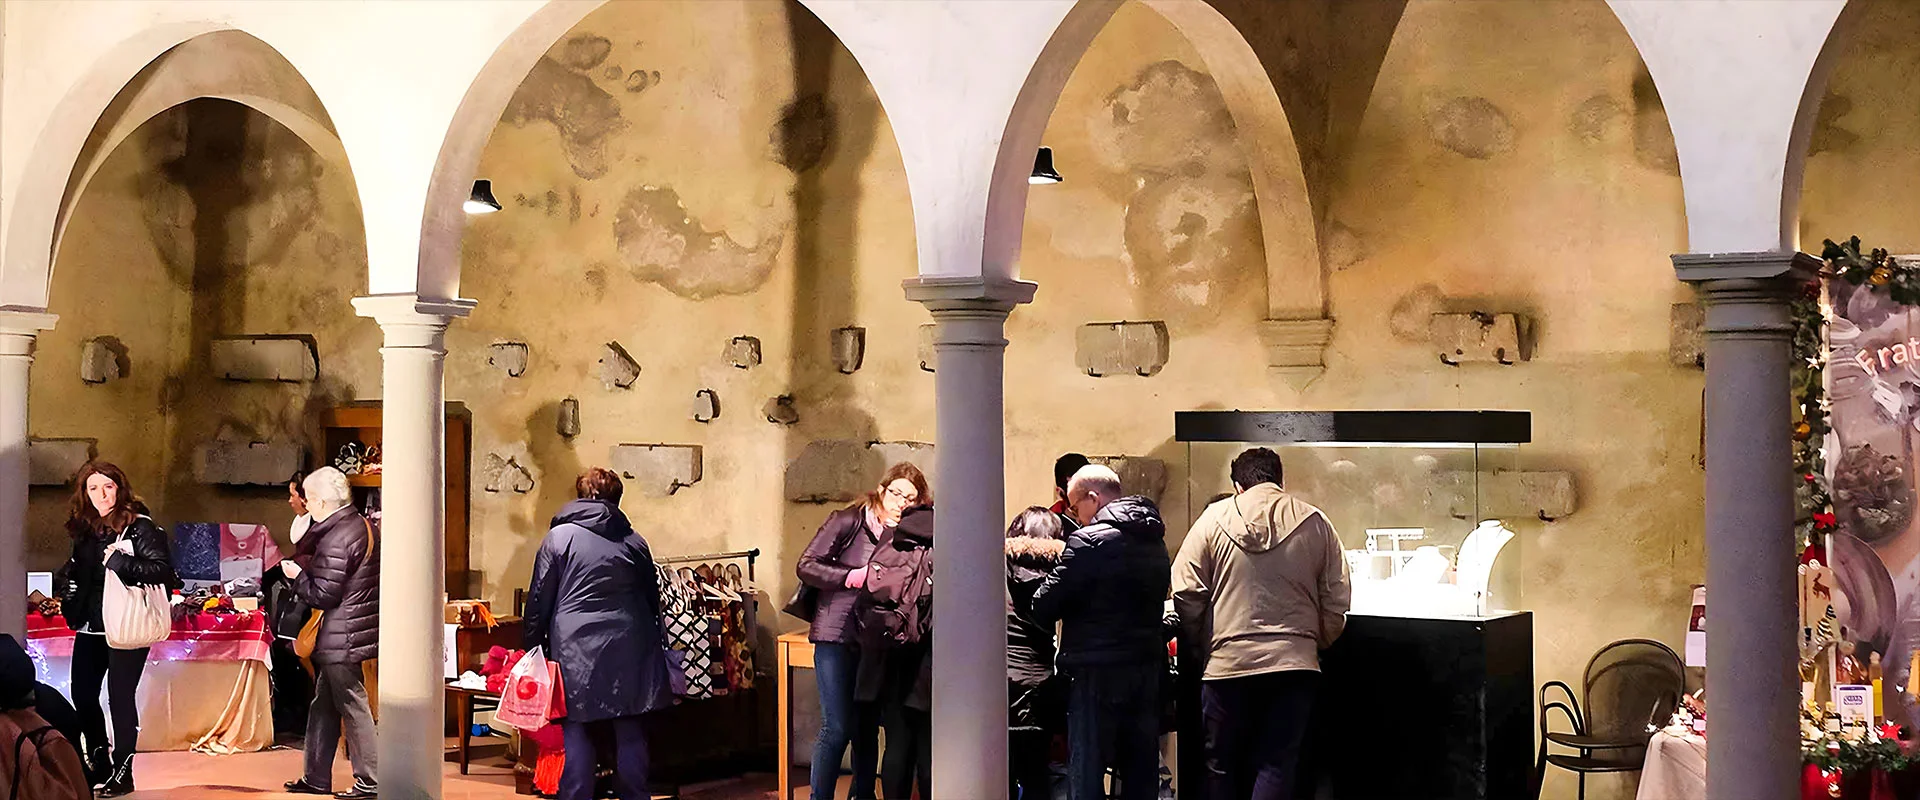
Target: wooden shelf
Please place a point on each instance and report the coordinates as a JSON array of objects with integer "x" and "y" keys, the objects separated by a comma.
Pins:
[{"x": 360, "y": 422}]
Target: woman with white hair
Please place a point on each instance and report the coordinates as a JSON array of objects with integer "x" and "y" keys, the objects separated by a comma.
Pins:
[{"x": 342, "y": 581}]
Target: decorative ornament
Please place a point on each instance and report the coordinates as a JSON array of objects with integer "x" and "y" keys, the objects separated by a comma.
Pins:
[
  {"x": 1802, "y": 431},
  {"x": 1880, "y": 276}
]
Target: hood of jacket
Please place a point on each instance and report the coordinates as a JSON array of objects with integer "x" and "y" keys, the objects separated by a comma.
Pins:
[
  {"x": 1262, "y": 517},
  {"x": 915, "y": 526},
  {"x": 1030, "y": 558},
  {"x": 599, "y": 516},
  {"x": 1133, "y": 516}
]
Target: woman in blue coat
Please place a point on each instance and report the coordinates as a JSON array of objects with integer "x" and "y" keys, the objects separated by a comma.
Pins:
[{"x": 594, "y": 606}]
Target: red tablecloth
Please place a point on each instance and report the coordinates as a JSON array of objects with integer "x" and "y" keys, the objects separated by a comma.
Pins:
[{"x": 196, "y": 637}]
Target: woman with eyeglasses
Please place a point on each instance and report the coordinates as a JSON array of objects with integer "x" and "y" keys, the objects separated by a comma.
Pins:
[{"x": 834, "y": 567}]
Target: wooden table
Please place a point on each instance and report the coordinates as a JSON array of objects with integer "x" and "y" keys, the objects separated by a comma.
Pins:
[
  {"x": 462, "y": 706},
  {"x": 795, "y": 652}
]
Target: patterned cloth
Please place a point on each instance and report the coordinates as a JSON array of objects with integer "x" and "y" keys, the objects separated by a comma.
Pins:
[
  {"x": 196, "y": 551},
  {"x": 687, "y": 632}
]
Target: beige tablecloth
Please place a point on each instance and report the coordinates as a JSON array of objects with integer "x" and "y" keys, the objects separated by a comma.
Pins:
[
  {"x": 209, "y": 706},
  {"x": 1676, "y": 767}
]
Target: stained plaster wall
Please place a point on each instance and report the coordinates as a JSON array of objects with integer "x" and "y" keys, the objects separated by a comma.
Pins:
[
  {"x": 674, "y": 177},
  {"x": 1527, "y": 173},
  {"x": 1859, "y": 137},
  {"x": 211, "y": 220}
]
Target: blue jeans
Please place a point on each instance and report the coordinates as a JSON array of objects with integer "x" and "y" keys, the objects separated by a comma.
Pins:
[
  {"x": 1113, "y": 721},
  {"x": 585, "y": 741},
  {"x": 842, "y": 722}
]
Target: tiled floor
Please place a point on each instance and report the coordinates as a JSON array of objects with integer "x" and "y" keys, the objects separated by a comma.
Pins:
[{"x": 258, "y": 776}]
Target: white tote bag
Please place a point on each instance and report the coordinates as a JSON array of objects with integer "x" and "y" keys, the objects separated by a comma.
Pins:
[{"x": 136, "y": 616}]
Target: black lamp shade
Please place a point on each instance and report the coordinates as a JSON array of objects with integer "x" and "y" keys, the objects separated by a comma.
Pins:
[
  {"x": 481, "y": 201},
  {"x": 1043, "y": 171}
]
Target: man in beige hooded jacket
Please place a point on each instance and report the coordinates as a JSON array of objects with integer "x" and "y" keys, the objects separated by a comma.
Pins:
[{"x": 1261, "y": 583}]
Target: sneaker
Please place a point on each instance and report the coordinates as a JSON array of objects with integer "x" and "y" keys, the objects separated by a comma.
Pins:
[{"x": 360, "y": 791}]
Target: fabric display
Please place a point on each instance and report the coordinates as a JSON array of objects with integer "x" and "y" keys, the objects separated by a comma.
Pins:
[
  {"x": 246, "y": 552},
  {"x": 707, "y": 614},
  {"x": 196, "y": 553}
]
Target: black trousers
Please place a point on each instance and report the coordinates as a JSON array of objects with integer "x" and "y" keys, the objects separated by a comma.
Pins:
[
  {"x": 1029, "y": 768},
  {"x": 93, "y": 662},
  {"x": 1254, "y": 729},
  {"x": 1113, "y": 721},
  {"x": 909, "y": 757}
]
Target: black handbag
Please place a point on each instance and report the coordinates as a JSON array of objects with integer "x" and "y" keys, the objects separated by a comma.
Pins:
[{"x": 804, "y": 603}]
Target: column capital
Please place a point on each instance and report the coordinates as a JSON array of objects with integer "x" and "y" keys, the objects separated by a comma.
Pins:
[
  {"x": 409, "y": 320},
  {"x": 1703, "y": 269},
  {"x": 26, "y": 319},
  {"x": 968, "y": 295},
  {"x": 1747, "y": 295}
]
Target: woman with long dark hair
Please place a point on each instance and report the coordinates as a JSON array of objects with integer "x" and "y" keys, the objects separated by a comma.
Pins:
[
  {"x": 835, "y": 566},
  {"x": 111, "y": 531}
]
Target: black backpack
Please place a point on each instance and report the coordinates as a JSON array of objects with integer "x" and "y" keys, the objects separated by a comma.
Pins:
[{"x": 896, "y": 606}]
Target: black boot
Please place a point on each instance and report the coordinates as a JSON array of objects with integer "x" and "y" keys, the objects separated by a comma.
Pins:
[
  {"x": 98, "y": 766},
  {"x": 120, "y": 782}
]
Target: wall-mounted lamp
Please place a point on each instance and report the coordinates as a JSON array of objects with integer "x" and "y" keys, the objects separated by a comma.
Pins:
[
  {"x": 1043, "y": 171},
  {"x": 481, "y": 202}
]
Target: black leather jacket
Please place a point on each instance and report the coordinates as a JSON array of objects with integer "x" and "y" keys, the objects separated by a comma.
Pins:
[{"x": 84, "y": 576}]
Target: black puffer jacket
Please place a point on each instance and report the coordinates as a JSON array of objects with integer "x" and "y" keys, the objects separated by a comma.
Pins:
[
  {"x": 594, "y": 605},
  {"x": 1034, "y": 694},
  {"x": 1110, "y": 588},
  {"x": 343, "y": 581},
  {"x": 84, "y": 577}
]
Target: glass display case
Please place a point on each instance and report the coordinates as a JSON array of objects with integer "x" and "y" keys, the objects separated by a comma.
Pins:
[{"x": 1402, "y": 489}]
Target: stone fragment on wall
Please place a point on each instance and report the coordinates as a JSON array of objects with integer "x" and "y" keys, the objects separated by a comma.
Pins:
[
  {"x": 706, "y": 406},
  {"x": 617, "y": 369},
  {"x": 506, "y": 474},
  {"x": 509, "y": 357},
  {"x": 1505, "y": 495},
  {"x": 928, "y": 355},
  {"x": 265, "y": 358},
  {"x": 103, "y": 359},
  {"x": 1138, "y": 474},
  {"x": 780, "y": 410},
  {"x": 849, "y": 349},
  {"x": 1297, "y": 348},
  {"x": 1103, "y": 349},
  {"x": 1479, "y": 337},
  {"x": 920, "y": 454},
  {"x": 568, "y": 423},
  {"x": 54, "y": 462},
  {"x": 1688, "y": 345},
  {"x": 235, "y": 463},
  {"x": 840, "y": 470},
  {"x": 657, "y": 470},
  {"x": 743, "y": 352}
]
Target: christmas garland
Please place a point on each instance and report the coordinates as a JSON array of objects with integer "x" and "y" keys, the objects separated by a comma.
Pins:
[
  {"x": 1815, "y": 517},
  {"x": 1844, "y": 262}
]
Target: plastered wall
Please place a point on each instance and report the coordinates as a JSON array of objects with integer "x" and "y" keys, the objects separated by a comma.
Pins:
[{"x": 676, "y": 176}]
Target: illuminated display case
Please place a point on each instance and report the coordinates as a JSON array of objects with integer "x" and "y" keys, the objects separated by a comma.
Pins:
[
  {"x": 1428, "y": 650},
  {"x": 1402, "y": 488}
]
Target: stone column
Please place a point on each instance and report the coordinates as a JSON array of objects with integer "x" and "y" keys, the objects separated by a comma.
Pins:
[
  {"x": 970, "y": 645},
  {"x": 18, "y": 329},
  {"x": 413, "y": 552},
  {"x": 1752, "y": 656}
]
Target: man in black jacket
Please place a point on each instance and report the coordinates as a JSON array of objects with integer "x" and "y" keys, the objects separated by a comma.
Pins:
[
  {"x": 1108, "y": 592},
  {"x": 342, "y": 581}
]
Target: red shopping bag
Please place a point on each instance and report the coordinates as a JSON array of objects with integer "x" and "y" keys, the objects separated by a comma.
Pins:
[
  {"x": 557, "y": 710},
  {"x": 527, "y": 697}
]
